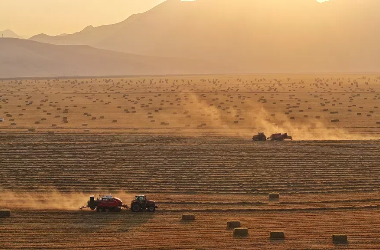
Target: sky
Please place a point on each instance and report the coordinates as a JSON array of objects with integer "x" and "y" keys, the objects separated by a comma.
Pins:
[{"x": 54, "y": 17}]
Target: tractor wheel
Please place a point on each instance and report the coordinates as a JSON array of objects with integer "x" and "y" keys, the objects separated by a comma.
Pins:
[
  {"x": 106, "y": 210},
  {"x": 92, "y": 208},
  {"x": 136, "y": 207},
  {"x": 98, "y": 209},
  {"x": 152, "y": 209}
]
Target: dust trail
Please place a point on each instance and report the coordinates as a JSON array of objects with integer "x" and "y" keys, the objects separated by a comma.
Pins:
[
  {"x": 257, "y": 117},
  {"x": 53, "y": 200}
]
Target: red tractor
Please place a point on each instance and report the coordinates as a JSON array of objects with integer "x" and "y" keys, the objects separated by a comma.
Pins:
[
  {"x": 280, "y": 137},
  {"x": 106, "y": 203},
  {"x": 141, "y": 203}
]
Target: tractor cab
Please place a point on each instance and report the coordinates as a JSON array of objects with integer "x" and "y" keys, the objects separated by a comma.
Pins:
[{"x": 140, "y": 198}]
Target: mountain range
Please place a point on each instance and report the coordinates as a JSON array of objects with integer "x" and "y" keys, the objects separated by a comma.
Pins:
[
  {"x": 247, "y": 36},
  {"x": 24, "y": 58}
]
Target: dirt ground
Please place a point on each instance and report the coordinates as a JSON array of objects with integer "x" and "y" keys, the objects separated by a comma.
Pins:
[
  {"x": 309, "y": 107},
  {"x": 196, "y": 157}
]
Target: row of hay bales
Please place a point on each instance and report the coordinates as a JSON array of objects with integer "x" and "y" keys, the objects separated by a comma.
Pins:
[{"x": 239, "y": 231}]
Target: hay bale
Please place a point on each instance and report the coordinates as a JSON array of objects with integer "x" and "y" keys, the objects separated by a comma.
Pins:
[
  {"x": 241, "y": 232},
  {"x": 335, "y": 120},
  {"x": 188, "y": 217},
  {"x": 274, "y": 196},
  {"x": 5, "y": 213},
  {"x": 233, "y": 224},
  {"x": 32, "y": 130},
  {"x": 339, "y": 238},
  {"x": 277, "y": 235}
]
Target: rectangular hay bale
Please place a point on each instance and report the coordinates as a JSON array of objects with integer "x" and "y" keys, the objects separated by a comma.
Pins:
[
  {"x": 339, "y": 238},
  {"x": 5, "y": 213},
  {"x": 241, "y": 232},
  {"x": 276, "y": 235}
]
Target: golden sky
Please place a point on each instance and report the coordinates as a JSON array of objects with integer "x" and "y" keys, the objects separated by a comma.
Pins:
[{"x": 54, "y": 17}]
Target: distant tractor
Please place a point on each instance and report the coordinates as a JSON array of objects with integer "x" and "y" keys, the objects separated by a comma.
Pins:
[
  {"x": 259, "y": 137},
  {"x": 280, "y": 137},
  {"x": 141, "y": 203},
  {"x": 105, "y": 203}
]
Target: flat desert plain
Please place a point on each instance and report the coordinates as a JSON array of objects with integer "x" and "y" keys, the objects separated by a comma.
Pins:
[{"x": 185, "y": 142}]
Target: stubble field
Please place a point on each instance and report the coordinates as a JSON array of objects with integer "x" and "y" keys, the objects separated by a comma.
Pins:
[{"x": 186, "y": 143}]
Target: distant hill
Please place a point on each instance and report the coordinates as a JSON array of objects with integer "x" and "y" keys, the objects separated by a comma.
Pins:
[
  {"x": 25, "y": 58},
  {"x": 268, "y": 36},
  {"x": 9, "y": 34}
]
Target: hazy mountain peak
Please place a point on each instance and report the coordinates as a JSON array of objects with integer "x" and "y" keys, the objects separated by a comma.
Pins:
[
  {"x": 88, "y": 28},
  {"x": 9, "y": 34}
]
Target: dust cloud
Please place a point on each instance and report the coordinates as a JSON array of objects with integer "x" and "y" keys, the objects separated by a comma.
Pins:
[
  {"x": 52, "y": 200},
  {"x": 258, "y": 119}
]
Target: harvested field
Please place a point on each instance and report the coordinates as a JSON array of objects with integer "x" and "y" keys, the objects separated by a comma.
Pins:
[
  {"x": 310, "y": 107},
  {"x": 192, "y": 160}
]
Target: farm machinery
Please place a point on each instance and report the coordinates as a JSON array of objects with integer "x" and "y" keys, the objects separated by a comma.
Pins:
[
  {"x": 280, "y": 137},
  {"x": 274, "y": 137},
  {"x": 108, "y": 203},
  {"x": 259, "y": 137}
]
